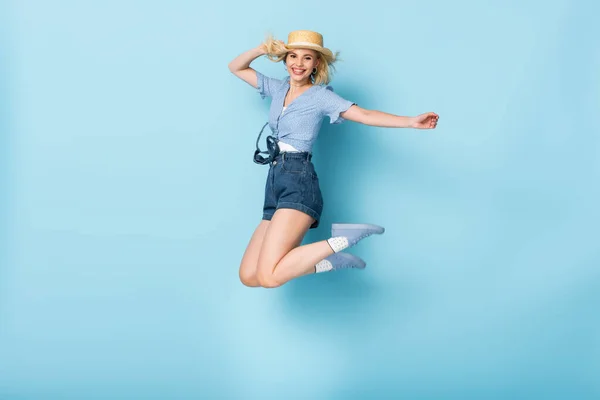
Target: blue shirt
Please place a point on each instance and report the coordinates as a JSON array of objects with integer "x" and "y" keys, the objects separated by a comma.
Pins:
[{"x": 299, "y": 125}]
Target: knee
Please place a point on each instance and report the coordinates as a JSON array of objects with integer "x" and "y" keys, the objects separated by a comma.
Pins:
[
  {"x": 267, "y": 281},
  {"x": 248, "y": 279}
]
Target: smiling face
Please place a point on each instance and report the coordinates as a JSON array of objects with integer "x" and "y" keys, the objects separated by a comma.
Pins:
[{"x": 300, "y": 64}]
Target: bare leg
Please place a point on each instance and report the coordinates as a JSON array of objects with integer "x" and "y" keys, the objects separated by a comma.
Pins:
[
  {"x": 249, "y": 262},
  {"x": 301, "y": 261},
  {"x": 281, "y": 256}
]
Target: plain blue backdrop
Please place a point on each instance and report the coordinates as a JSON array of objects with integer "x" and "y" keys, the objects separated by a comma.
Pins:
[{"x": 128, "y": 196}]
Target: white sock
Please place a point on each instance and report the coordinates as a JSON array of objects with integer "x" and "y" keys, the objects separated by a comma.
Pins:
[
  {"x": 338, "y": 243},
  {"x": 323, "y": 266}
]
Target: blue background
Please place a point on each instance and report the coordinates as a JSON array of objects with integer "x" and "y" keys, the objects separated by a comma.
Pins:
[{"x": 128, "y": 196}]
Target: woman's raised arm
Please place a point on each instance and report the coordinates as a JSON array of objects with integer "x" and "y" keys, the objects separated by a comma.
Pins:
[{"x": 240, "y": 66}]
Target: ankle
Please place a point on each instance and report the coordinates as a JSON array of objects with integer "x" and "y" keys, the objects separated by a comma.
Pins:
[{"x": 338, "y": 243}]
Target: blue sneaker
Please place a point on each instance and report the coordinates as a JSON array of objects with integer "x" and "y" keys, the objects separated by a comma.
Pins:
[
  {"x": 355, "y": 232},
  {"x": 345, "y": 260}
]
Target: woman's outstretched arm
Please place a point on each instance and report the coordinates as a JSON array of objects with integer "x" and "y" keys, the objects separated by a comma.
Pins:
[
  {"x": 378, "y": 118},
  {"x": 240, "y": 66}
]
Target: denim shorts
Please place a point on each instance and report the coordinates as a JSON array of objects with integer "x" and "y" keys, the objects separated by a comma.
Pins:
[{"x": 292, "y": 182}]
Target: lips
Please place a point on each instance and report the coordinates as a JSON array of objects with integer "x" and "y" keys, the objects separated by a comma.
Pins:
[{"x": 298, "y": 71}]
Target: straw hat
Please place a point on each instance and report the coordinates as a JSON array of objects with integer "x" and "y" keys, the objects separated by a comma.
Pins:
[{"x": 308, "y": 40}]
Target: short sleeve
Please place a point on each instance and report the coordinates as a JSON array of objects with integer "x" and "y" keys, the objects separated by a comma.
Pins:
[
  {"x": 267, "y": 86},
  {"x": 333, "y": 105}
]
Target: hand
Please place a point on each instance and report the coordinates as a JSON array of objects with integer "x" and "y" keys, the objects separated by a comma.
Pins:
[{"x": 425, "y": 121}]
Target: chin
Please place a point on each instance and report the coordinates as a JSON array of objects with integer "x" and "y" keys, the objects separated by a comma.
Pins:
[{"x": 298, "y": 78}]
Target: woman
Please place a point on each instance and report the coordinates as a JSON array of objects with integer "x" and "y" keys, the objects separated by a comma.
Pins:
[{"x": 293, "y": 201}]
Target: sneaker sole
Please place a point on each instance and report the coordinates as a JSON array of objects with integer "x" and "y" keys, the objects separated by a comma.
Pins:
[
  {"x": 356, "y": 261},
  {"x": 341, "y": 227}
]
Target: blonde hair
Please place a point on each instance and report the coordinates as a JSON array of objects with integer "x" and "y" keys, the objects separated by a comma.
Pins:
[{"x": 276, "y": 51}]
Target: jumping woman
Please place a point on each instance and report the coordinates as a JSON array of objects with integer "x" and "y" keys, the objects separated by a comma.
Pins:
[{"x": 293, "y": 202}]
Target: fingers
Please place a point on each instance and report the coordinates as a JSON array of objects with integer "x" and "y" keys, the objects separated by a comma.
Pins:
[{"x": 433, "y": 120}]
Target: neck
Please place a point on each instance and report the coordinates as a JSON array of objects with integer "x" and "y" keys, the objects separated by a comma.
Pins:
[{"x": 299, "y": 86}]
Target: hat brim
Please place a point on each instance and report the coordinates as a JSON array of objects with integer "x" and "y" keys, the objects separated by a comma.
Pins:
[{"x": 307, "y": 45}]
